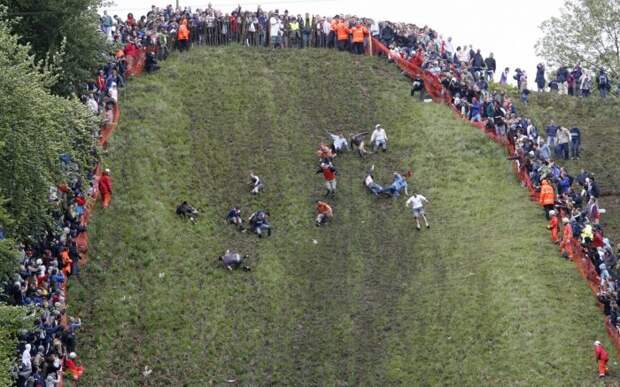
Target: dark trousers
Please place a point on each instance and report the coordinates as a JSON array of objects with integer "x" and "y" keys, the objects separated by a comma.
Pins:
[
  {"x": 358, "y": 48},
  {"x": 548, "y": 207}
]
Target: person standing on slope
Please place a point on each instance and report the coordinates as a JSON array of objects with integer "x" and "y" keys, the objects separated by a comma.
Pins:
[
  {"x": 416, "y": 202},
  {"x": 554, "y": 226},
  {"x": 105, "y": 188},
  {"x": 602, "y": 358},
  {"x": 547, "y": 197},
  {"x": 183, "y": 36}
]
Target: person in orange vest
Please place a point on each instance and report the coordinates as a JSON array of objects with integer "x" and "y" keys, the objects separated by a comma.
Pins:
[
  {"x": 324, "y": 212},
  {"x": 333, "y": 26},
  {"x": 105, "y": 188},
  {"x": 342, "y": 35},
  {"x": 183, "y": 36},
  {"x": 66, "y": 261},
  {"x": 554, "y": 226},
  {"x": 547, "y": 197},
  {"x": 566, "y": 246},
  {"x": 602, "y": 358},
  {"x": 359, "y": 32}
]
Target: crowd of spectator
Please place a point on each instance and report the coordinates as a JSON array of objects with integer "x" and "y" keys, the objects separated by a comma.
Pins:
[
  {"x": 571, "y": 203},
  {"x": 463, "y": 73},
  {"x": 576, "y": 82}
]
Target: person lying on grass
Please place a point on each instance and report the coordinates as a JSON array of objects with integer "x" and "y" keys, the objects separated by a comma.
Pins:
[
  {"x": 369, "y": 182},
  {"x": 398, "y": 185},
  {"x": 234, "y": 217},
  {"x": 259, "y": 223},
  {"x": 187, "y": 211},
  {"x": 232, "y": 260},
  {"x": 339, "y": 143},
  {"x": 256, "y": 184}
]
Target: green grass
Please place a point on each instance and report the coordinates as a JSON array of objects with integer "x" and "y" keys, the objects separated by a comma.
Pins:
[
  {"x": 599, "y": 121},
  {"x": 481, "y": 298}
]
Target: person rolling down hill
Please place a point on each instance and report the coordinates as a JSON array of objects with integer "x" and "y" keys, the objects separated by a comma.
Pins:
[
  {"x": 234, "y": 217},
  {"x": 105, "y": 188},
  {"x": 602, "y": 357},
  {"x": 357, "y": 141},
  {"x": 323, "y": 213},
  {"x": 256, "y": 183},
  {"x": 398, "y": 185},
  {"x": 416, "y": 201},
  {"x": 232, "y": 260},
  {"x": 186, "y": 210},
  {"x": 379, "y": 138},
  {"x": 259, "y": 223},
  {"x": 369, "y": 182},
  {"x": 339, "y": 143},
  {"x": 329, "y": 174}
]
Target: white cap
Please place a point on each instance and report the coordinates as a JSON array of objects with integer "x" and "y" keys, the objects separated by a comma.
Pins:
[
  {"x": 107, "y": 170},
  {"x": 72, "y": 355},
  {"x": 377, "y": 126},
  {"x": 597, "y": 343}
]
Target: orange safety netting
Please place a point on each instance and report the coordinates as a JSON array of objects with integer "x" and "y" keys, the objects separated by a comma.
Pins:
[
  {"x": 135, "y": 65},
  {"x": 438, "y": 93}
]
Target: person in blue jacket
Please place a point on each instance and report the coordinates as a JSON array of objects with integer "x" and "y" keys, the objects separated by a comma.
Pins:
[{"x": 398, "y": 185}]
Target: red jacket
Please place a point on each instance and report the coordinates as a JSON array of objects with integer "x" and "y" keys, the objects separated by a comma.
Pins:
[
  {"x": 329, "y": 173},
  {"x": 105, "y": 184},
  {"x": 600, "y": 353}
]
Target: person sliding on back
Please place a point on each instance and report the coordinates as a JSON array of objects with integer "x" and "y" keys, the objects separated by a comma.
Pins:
[
  {"x": 323, "y": 212},
  {"x": 259, "y": 223},
  {"x": 232, "y": 260},
  {"x": 256, "y": 183},
  {"x": 369, "y": 182},
  {"x": 186, "y": 210}
]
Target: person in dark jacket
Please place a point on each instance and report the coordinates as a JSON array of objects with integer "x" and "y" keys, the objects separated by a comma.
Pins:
[
  {"x": 540, "y": 77},
  {"x": 232, "y": 260},
  {"x": 491, "y": 67},
  {"x": 477, "y": 62},
  {"x": 561, "y": 78},
  {"x": 575, "y": 142},
  {"x": 602, "y": 81}
]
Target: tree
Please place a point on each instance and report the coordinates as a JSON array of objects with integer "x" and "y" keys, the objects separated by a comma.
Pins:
[
  {"x": 586, "y": 33},
  {"x": 36, "y": 127},
  {"x": 46, "y": 24}
]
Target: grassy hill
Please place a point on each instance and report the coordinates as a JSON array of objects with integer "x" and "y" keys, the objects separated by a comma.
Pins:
[{"x": 480, "y": 298}]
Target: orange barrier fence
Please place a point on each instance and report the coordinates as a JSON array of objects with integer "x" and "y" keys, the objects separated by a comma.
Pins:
[
  {"x": 438, "y": 93},
  {"x": 135, "y": 66}
]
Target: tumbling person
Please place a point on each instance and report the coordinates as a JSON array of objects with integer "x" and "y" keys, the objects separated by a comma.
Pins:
[
  {"x": 357, "y": 141},
  {"x": 369, "y": 182},
  {"x": 323, "y": 213},
  {"x": 232, "y": 260},
  {"x": 339, "y": 143},
  {"x": 329, "y": 174},
  {"x": 259, "y": 223},
  {"x": 186, "y": 210},
  {"x": 398, "y": 185},
  {"x": 234, "y": 217},
  {"x": 416, "y": 201},
  {"x": 256, "y": 183}
]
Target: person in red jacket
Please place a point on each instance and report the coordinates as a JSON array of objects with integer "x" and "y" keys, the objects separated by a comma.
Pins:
[
  {"x": 105, "y": 188},
  {"x": 329, "y": 174},
  {"x": 566, "y": 247},
  {"x": 323, "y": 212},
  {"x": 554, "y": 226},
  {"x": 602, "y": 358}
]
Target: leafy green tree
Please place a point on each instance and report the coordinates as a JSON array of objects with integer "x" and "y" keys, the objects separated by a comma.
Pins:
[
  {"x": 36, "y": 127},
  {"x": 586, "y": 32},
  {"x": 46, "y": 24},
  {"x": 12, "y": 320}
]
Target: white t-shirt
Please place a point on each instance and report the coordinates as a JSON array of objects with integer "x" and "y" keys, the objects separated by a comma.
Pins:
[
  {"x": 416, "y": 201},
  {"x": 368, "y": 181},
  {"x": 275, "y": 25},
  {"x": 378, "y": 135}
]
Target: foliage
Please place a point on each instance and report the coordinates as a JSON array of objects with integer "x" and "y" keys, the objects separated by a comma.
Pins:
[
  {"x": 12, "y": 319},
  {"x": 47, "y": 24},
  {"x": 482, "y": 298},
  {"x": 587, "y": 32},
  {"x": 36, "y": 127}
]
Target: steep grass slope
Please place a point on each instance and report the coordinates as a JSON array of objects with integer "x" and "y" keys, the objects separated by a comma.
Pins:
[{"x": 480, "y": 298}]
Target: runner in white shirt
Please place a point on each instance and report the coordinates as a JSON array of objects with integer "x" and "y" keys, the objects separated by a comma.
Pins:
[{"x": 416, "y": 202}]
